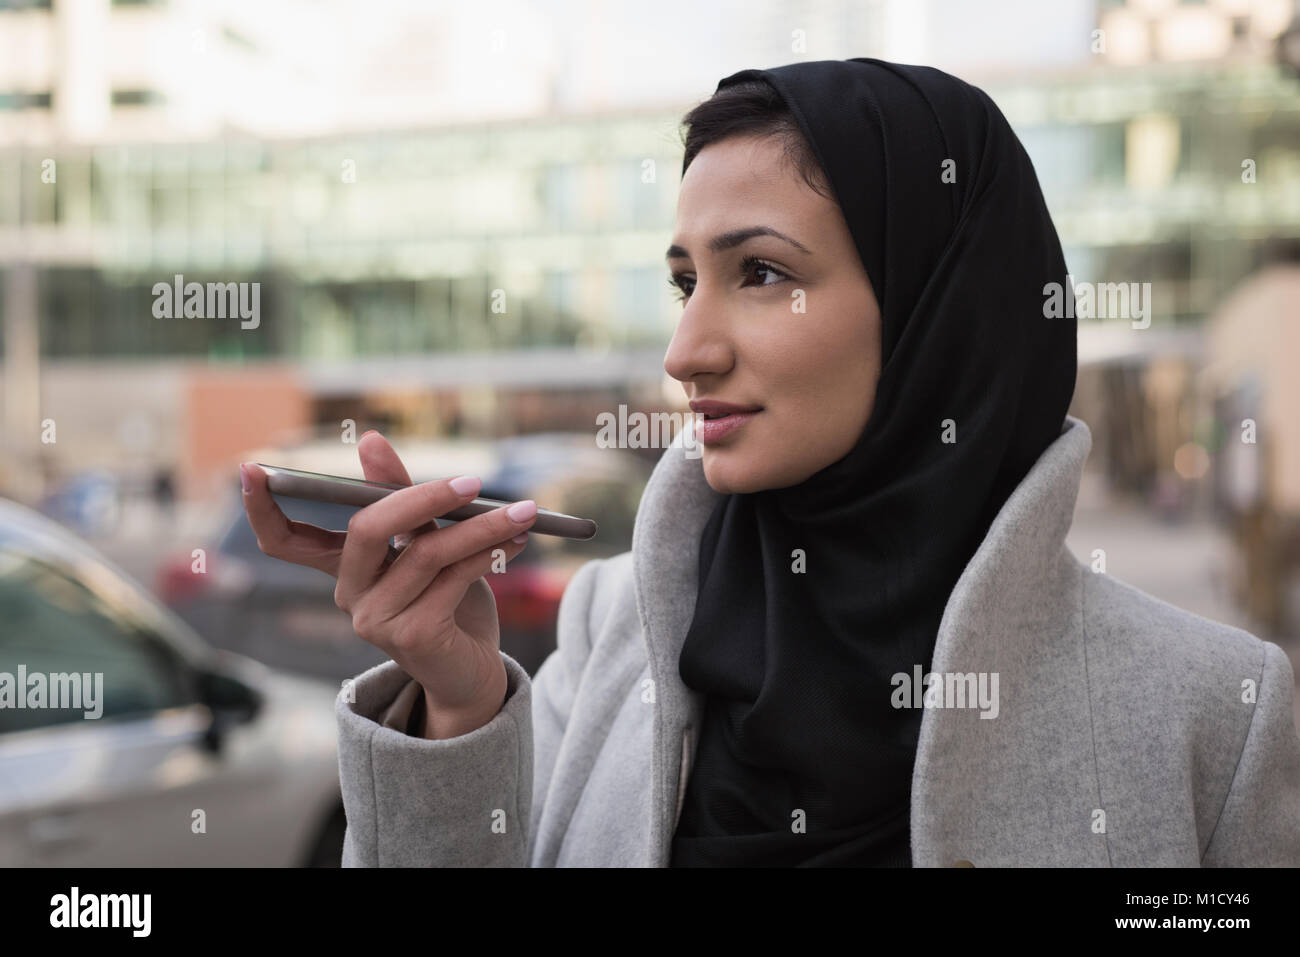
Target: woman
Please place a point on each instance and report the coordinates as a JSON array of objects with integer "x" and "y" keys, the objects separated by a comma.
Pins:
[{"x": 851, "y": 633}]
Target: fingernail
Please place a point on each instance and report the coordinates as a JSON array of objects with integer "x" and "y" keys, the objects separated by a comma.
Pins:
[
  {"x": 244, "y": 480},
  {"x": 365, "y": 433},
  {"x": 520, "y": 539},
  {"x": 522, "y": 511},
  {"x": 465, "y": 484}
]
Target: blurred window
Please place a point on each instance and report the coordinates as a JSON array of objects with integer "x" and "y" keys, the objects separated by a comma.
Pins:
[
  {"x": 24, "y": 100},
  {"x": 137, "y": 97},
  {"x": 560, "y": 189},
  {"x": 637, "y": 201},
  {"x": 56, "y": 623},
  {"x": 641, "y": 300}
]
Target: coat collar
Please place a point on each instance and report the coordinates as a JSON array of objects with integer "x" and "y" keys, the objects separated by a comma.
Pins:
[{"x": 1016, "y": 568}]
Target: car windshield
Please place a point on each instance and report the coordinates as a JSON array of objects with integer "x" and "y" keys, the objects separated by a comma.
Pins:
[{"x": 24, "y": 533}]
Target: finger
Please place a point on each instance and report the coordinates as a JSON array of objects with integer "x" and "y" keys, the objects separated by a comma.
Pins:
[
  {"x": 280, "y": 537},
  {"x": 388, "y": 600},
  {"x": 366, "y": 548},
  {"x": 381, "y": 463},
  {"x": 448, "y": 589},
  {"x": 428, "y": 557}
]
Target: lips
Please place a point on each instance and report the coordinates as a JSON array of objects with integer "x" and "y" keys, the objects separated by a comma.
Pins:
[
  {"x": 721, "y": 418},
  {"x": 716, "y": 408}
]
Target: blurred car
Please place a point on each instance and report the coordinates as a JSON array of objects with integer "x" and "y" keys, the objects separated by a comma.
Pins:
[
  {"x": 566, "y": 474},
  {"x": 284, "y": 614},
  {"x": 197, "y": 758},
  {"x": 89, "y": 502}
]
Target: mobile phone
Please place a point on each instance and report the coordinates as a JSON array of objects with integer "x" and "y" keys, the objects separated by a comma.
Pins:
[{"x": 339, "y": 490}]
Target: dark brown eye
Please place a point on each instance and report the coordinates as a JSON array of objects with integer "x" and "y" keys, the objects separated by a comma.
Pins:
[
  {"x": 751, "y": 265},
  {"x": 678, "y": 284}
]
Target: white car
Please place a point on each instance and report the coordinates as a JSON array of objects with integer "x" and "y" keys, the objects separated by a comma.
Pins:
[{"x": 186, "y": 757}]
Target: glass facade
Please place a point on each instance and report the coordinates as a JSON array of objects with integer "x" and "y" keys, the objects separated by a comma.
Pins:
[
  {"x": 467, "y": 238},
  {"x": 1145, "y": 172},
  {"x": 550, "y": 232}
]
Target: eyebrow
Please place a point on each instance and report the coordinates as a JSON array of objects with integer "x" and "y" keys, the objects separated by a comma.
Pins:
[{"x": 735, "y": 237}]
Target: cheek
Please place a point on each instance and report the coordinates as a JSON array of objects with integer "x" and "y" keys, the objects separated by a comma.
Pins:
[{"x": 822, "y": 361}]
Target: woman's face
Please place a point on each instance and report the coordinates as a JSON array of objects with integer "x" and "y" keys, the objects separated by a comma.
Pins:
[{"x": 793, "y": 330}]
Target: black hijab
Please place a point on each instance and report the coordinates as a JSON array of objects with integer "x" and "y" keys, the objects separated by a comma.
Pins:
[{"x": 796, "y": 667}]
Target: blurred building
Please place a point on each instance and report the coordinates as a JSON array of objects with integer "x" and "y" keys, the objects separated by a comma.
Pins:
[
  {"x": 114, "y": 71},
  {"x": 1171, "y": 156},
  {"x": 1139, "y": 32},
  {"x": 369, "y": 252},
  {"x": 454, "y": 277}
]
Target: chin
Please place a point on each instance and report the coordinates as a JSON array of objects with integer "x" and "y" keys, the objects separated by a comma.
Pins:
[{"x": 730, "y": 477}]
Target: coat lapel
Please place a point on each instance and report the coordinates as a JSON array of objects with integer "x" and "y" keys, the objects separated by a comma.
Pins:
[
  {"x": 674, "y": 508},
  {"x": 1019, "y": 787},
  {"x": 1022, "y": 788}
]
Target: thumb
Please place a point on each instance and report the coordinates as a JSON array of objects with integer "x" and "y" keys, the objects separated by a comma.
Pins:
[{"x": 380, "y": 463}]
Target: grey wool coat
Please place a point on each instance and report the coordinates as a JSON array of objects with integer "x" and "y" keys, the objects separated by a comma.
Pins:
[{"x": 1128, "y": 732}]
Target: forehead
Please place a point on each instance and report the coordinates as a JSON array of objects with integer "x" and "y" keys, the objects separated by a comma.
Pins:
[{"x": 745, "y": 177}]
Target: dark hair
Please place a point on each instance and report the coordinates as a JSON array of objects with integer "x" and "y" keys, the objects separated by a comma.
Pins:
[{"x": 752, "y": 108}]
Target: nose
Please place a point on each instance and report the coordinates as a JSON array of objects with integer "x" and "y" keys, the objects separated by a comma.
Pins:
[{"x": 700, "y": 345}]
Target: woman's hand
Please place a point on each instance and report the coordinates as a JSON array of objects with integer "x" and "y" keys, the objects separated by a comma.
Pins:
[{"x": 426, "y": 603}]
